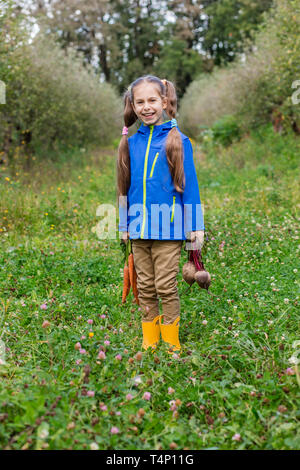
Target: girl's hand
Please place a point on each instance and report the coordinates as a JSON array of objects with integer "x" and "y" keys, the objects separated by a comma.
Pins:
[
  {"x": 197, "y": 239},
  {"x": 125, "y": 237}
]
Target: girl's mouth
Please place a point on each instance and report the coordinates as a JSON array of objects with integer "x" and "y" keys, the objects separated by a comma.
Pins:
[{"x": 148, "y": 116}]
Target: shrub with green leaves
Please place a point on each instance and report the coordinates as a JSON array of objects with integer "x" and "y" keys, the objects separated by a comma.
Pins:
[
  {"x": 52, "y": 99},
  {"x": 226, "y": 130},
  {"x": 257, "y": 88}
]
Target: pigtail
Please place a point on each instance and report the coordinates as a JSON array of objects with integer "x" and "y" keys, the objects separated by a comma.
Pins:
[
  {"x": 174, "y": 149},
  {"x": 123, "y": 163}
]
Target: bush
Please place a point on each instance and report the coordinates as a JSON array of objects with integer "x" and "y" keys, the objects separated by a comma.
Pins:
[
  {"x": 257, "y": 87},
  {"x": 53, "y": 100},
  {"x": 226, "y": 130}
]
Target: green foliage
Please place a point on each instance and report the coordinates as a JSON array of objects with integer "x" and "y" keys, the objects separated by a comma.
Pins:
[
  {"x": 258, "y": 89},
  {"x": 234, "y": 383},
  {"x": 179, "y": 64},
  {"x": 52, "y": 99},
  {"x": 128, "y": 38},
  {"x": 231, "y": 23},
  {"x": 226, "y": 130},
  {"x": 285, "y": 68},
  {"x": 134, "y": 69}
]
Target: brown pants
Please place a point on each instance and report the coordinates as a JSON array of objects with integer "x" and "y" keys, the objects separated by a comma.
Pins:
[{"x": 157, "y": 265}]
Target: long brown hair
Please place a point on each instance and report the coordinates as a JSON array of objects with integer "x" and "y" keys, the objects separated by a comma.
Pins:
[{"x": 174, "y": 150}]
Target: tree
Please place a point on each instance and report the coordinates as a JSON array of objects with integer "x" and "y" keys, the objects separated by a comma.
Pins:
[
  {"x": 13, "y": 33},
  {"x": 179, "y": 64},
  {"x": 86, "y": 26},
  {"x": 143, "y": 23},
  {"x": 179, "y": 39},
  {"x": 182, "y": 58},
  {"x": 228, "y": 25},
  {"x": 120, "y": 38}
]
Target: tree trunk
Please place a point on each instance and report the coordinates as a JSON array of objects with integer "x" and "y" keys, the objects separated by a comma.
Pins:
[{"x": 103, "y": 61}]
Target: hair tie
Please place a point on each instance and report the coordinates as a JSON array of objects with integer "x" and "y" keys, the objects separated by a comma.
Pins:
[
  {"x": 125, "y": 130},
  {"x": 164, "y": 81},
  {"x": 173, "y": 123}
]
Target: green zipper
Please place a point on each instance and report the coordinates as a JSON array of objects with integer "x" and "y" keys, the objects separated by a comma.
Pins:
[
  {"x": 144, "y": 181},
  {"x": 172, "y": 216},
  {"x": 151, "y": 173}
]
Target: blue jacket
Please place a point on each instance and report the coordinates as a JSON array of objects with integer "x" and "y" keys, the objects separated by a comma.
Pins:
[{"x": 153, "y": 208}]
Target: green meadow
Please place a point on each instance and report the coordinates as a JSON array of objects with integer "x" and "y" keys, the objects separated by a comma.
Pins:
[{"x": 236, "y": 382}]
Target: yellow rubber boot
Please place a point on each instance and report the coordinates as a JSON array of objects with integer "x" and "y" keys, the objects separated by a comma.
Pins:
[
  {"x": 151, "y": 333},
  {"x": 170, "y": 335}
]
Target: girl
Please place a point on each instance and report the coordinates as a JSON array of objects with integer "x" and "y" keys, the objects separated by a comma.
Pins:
[{"x": 156, "y": 176}]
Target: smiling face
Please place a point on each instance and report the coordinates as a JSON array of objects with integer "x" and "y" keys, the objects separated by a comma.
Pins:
[{"x": 148, "y": 105}]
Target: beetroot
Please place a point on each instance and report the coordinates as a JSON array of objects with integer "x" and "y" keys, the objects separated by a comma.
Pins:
[
  {"x": 203, "y": 279},
  {"x": 188, "y": 272}
]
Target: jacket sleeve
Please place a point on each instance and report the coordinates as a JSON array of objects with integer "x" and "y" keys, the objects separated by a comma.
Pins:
[
  {"x": 193, "y": 215},
  {"x": 123, "y": 214}
]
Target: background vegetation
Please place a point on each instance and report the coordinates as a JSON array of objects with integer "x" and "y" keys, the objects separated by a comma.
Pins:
[
  {"x": 127, "y": 38},
  {"x": 236, "y": 383},
  {"x": 257, "y": 89},
  {"x": 52, "y": 101}
]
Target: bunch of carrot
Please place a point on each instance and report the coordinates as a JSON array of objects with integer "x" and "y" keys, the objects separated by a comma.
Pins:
[{"x": 130, "y": 277}]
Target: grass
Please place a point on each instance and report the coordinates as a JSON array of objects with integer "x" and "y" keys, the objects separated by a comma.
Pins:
[{"x": 233, "y": 386}]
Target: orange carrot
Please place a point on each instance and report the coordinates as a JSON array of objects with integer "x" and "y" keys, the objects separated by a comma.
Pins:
[
  {"x": 134, "y": 287},
  {"x": 126, "y": 283},
  {"x": 130, "y": 266},
  {"x": 133, "y": 277}
]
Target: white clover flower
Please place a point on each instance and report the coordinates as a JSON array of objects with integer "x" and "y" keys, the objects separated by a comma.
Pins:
[
  {"x": 44, "y": 433},
  {"x": 137, "y": 380},
  {"x": 294, "y": 360},
  {"x": 94, "y": 446}
]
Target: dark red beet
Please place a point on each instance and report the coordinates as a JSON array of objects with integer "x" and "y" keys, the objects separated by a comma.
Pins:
[
  {"x": 188, "y": 272},
  {"x": 203, "y": 279}
]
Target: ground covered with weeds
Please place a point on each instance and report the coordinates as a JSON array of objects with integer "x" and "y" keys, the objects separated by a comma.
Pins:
[{"x": 74, "y": 375}]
